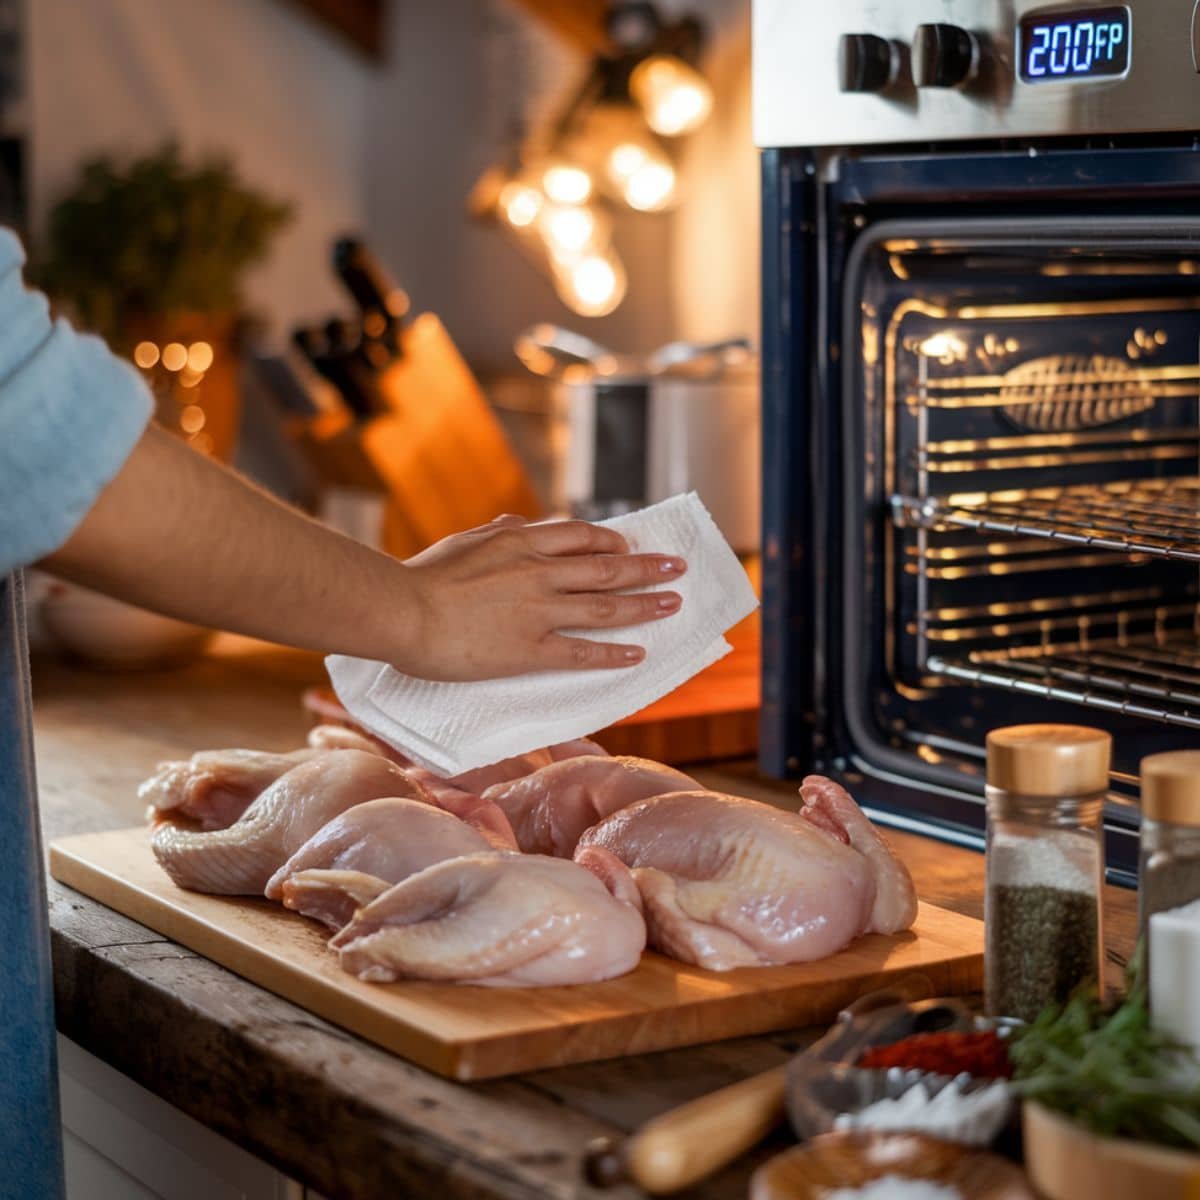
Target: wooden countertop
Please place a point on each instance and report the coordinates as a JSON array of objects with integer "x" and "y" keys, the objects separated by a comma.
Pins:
[{"x": 341, "y": 1115}]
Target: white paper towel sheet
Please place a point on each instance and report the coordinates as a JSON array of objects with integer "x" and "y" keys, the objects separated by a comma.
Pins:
[{"x": 455, "y": 727}]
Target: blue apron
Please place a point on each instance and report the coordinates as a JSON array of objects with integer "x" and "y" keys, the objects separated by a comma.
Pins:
[{"x": 30, "y": 1134}]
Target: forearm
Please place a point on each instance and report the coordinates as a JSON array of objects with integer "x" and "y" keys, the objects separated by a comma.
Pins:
[{"x": 179, "y": 534}]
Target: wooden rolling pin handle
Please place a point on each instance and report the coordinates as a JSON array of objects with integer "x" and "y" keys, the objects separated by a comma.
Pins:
[{"x": 690, "y": 1142}]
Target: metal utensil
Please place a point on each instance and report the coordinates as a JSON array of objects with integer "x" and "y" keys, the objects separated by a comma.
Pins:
[
  {"x": 552, "y": 351},
  {"x": 702, "y": 360}
]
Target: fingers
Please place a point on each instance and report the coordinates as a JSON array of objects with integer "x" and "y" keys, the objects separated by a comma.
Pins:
[
  {"x": 606, "y": 611},
  {"x": 578, "y": 654},
  {"x": 612, "y": 572},
  {"x": 574, "y": 537}
]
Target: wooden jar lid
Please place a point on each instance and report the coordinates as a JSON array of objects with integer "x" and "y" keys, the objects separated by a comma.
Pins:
[
  {"x": 1049, "y": 760},
  {"x": 1171, "y": 786}
]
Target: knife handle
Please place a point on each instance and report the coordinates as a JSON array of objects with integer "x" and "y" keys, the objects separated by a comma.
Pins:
[
  {"x": 690, "y": 1142},
  {"x": 694, "y": 1140}
]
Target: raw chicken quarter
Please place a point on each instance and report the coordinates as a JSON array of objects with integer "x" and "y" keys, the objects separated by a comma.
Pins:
[
  {"x": 728, "y": 882},
  {"x": 500, "y": 920}
]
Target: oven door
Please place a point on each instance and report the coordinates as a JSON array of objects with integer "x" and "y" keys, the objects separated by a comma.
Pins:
[{"x": 1007, "y": 526}]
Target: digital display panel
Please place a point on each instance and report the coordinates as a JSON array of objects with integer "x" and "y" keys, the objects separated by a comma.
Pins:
[{"x": 1078, "y": 43}]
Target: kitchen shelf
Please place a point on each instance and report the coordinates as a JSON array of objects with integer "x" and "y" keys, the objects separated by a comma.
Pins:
[
  {"x": 1151, "y": 678},
  {"x": 1152, "y": 517}
]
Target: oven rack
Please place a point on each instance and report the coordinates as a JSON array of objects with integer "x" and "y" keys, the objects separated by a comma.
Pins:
[
  {"x": 1145, "y": 677},
  {"x": 1147, "y": 517}
]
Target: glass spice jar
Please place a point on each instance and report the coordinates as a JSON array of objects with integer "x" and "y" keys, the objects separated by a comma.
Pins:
[
  {"x": 1046, "y": 786},
  {"x": 1169, "y": 859}
]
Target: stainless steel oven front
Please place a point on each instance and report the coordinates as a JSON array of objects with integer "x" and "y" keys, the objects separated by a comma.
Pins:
[{"x": 981, "y": 409}]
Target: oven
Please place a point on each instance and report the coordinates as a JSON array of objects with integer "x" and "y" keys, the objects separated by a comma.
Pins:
[{"x": 981, "y": 371}]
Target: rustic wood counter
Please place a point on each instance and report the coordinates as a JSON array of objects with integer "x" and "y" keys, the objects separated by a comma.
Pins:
[{"x": 346, "y": 1118}]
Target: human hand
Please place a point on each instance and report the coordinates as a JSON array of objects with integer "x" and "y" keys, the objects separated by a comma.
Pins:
[{"x": 492, "y": 601}]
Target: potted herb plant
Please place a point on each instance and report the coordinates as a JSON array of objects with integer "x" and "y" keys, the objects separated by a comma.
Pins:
[{"x": 151, "y": 254}]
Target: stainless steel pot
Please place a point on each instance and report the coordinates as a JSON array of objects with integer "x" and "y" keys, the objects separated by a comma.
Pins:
[{"x": 639, "y": 430}]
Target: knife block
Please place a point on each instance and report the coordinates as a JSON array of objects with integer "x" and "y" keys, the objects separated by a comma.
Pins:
[{"x": 438, "y": 452}]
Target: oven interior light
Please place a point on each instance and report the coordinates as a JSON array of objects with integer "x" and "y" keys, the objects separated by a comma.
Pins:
[
  {"x": 945, "y": 348},
  {"x": 675, "y": 98}
]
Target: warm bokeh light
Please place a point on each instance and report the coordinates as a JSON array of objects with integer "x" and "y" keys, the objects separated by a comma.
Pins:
[
  {"x": 568, "y": 229},
  {"x": 191, "y": 419},
  {"x": 674, "y": 97},
  {"x": 174, "y": 356},
  {"x": 624, "y": 159},
  {"x": 651, "y": 187},
  {"x": 593, "y": 285},
  {"x": 566, "y": 184},
  {"x": 145, "y": 354},
  {"x": 200, "y": 356},
  {"x": 202, "y": 442},
  {"x": 520, "y": 203}
]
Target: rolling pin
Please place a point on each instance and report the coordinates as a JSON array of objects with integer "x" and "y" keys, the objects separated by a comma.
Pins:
[{"x": 691, "y": 1142}]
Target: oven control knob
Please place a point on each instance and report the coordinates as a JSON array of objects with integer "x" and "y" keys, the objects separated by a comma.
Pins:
[
  {"x": 945, "y": 56},
  {"x": 867, "y": 63}
]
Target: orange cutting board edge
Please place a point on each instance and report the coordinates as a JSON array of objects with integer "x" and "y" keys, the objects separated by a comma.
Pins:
[{"x": 468, "y": 1032}]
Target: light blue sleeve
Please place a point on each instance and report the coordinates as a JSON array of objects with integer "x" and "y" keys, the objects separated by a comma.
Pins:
[{"x": 70, "y": 413}]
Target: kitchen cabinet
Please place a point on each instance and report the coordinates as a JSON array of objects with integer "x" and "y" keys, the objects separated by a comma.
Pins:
[{"x": 121, "y": 1142}]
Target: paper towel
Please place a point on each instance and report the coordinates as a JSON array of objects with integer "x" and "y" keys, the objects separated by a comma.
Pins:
[{"x": 455, "y": 727}]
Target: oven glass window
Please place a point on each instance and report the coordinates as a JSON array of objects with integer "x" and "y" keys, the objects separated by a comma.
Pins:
[{"x": 1032, "y": 487}]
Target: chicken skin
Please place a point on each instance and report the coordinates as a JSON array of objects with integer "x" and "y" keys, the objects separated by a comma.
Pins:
[
  {"x": 214, "y": 787},
  {"x": 482, "y": 778},
  {"x": 497, "y": 920},
  {"x": 241, "y": 859},
  {"x": 550, "y": 809},
  {"x": 728, "y": 882},
  {"x": 391, "y": 839}
]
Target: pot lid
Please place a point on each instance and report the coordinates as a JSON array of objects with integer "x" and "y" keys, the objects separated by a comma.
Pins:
[{"x": 558, "y": 353}]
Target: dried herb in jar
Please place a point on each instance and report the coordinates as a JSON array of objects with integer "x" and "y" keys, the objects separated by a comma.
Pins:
[{"x": 1049, "y": 943}]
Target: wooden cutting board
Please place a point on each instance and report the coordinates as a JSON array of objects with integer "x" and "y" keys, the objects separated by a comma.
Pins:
[{"x": 477, "y": 1033}]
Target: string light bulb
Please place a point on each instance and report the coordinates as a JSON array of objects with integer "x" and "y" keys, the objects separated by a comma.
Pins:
[
  {"x": 520, "y": 203},
  {"x": 566, "y": 183},
  {"x": 674, "y": 97},
  {"x": 593, "y": 284}
]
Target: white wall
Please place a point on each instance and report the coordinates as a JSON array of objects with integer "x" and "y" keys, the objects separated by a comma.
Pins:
[
  {"x": 253, "y": 78},
  {"x": 715, "y": 234}
]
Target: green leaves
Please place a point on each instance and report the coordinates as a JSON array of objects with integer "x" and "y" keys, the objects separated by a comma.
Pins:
[
  {"x": 155, "y": 238},
  {"x": 1109, "y": 1070}
]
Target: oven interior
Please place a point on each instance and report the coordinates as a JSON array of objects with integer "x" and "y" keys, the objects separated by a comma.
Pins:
[{"x": 1022, "y": 484}]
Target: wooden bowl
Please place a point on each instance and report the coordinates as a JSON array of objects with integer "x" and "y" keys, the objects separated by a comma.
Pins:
[
  {"x": 852, "y": 1159},
  {"x": 1068, "y": 1162}
]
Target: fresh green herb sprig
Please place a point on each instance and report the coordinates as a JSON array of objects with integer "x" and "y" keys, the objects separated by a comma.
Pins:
[{"x": 1109, "y": 1070}]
